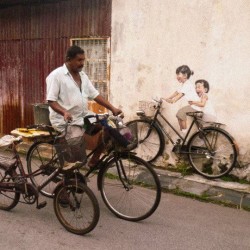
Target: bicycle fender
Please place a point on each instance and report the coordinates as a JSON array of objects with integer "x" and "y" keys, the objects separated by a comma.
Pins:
[
  {"x": 73, "y": 175},
  {"x": 229, "y": 135},
  {"x": 65, "y": 182},
  {"x": 222, "y": 130}
]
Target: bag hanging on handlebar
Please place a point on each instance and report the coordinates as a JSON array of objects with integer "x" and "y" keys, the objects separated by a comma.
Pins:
[{"x": 90, "y": 127}]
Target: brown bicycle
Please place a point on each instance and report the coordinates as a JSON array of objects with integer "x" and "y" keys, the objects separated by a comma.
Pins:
[{"x": 75, "y": 205}]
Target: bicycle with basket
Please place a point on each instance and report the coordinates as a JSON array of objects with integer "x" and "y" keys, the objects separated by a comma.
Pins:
[
  {"x": 81, "y": 212},
  {"x": 129, "y": 186},
  {"x": 211, "y": 150}
]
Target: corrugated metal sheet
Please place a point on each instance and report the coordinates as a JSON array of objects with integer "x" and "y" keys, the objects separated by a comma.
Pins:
[
  {"x": 33, "y": 41},
  {"x": 72, "y": 18}
]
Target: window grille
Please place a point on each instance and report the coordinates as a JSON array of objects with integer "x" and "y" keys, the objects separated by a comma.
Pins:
[{"x": 97, "y": 61}]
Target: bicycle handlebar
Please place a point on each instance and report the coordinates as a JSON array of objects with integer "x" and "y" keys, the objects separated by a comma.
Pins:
[
  {"x": 105, "y": 116},
  {"x": 157, "y": 100}
]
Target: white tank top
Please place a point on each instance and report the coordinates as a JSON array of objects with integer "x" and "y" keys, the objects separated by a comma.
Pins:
[{"x": 208, "y": 110}]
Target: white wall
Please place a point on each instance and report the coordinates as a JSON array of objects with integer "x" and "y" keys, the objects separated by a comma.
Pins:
[{"x": 151, "y": 38}]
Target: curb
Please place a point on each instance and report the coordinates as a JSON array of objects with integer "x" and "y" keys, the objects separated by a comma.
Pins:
[{"x": 217, "y": 191}]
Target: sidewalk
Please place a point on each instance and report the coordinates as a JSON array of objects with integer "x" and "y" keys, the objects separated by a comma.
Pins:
[{"x": 227, "y": 193}]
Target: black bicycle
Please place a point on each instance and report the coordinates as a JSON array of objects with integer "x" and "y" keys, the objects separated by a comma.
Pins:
[
  {"x": 211, "y": 150},
  {"x": 129, "y": 186},
  {"x": 75, "y": 205}
]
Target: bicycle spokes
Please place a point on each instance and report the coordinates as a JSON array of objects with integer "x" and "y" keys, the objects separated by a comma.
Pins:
[
  {"x": 123, "y": 175},
  {"x": 130, "y": 188},
  {"x": 212, "y": 152}
]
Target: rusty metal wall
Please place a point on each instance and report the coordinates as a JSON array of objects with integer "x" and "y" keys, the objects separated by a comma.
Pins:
[{"x": 33, "y": 41}]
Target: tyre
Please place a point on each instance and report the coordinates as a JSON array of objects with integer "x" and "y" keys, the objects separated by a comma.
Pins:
[
  {"x": 42, "y": 158},
  {"x": 151, "y": 140},
  {"x": 130, "y": 188},
  {"x": 212, "y": 152},
  {"x": 8, "y": 197},
  {"x": 76, "y": 207}
]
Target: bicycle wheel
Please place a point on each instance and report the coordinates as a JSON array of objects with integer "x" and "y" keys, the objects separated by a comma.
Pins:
[
  {"x": 42, "y": 156},
  {"x": 212, "y": 152},
  {"x": 151, "y": 140},
  {"x": 76, "y": 207},
  {"x": 8, "y": 197},
  {"x": 130, "y": 188}
]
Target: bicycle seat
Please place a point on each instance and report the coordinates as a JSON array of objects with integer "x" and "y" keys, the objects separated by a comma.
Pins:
[{"x": 197, "y": 114}]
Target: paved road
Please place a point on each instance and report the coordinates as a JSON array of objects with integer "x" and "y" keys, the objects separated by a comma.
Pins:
[{"x": 179, "y": 223}]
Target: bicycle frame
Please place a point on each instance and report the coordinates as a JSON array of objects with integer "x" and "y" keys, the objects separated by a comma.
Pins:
[
  {"x": 156, "y": 121},
  {"x": 112, "y": 153},
  {"x": 21, "y": 180},
  {"x": 106, "y": 157}
]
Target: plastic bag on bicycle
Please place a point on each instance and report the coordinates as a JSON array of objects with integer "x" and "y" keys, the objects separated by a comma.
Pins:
[{"x": 121, "y": 133}]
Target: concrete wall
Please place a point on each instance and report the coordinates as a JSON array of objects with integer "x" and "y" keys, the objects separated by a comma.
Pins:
[{"x": 151, "y": 38}]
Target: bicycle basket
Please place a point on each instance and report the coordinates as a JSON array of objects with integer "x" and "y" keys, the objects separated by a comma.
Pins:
[
  {"x": 131, "y": 134},
  {"x": 71, "y": 150}
]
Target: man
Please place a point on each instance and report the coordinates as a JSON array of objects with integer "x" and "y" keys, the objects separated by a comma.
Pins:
[{"x": 68, "y": 92}]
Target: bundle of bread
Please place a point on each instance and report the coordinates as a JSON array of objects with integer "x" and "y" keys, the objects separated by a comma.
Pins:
[{"x": 29, "y": 133}]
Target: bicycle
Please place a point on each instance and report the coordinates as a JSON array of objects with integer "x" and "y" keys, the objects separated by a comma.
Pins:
[
  {"x": 129, "y": 186},
  {"x": 211, "y": 150},
  {"x": 75, "y": 205}
]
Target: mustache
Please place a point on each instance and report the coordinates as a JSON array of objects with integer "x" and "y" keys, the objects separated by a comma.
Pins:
[{"x": 79, "y": 69}]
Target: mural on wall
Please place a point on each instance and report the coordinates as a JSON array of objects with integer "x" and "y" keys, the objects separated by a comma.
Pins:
[{"x": 208, "y": 36}]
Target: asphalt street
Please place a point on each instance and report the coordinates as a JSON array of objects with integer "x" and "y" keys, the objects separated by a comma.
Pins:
[{"x": 178, "y": 223}]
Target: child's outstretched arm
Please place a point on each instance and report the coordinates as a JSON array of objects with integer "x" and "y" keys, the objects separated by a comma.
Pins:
[
  {"x": 173, "y": 98},
  {"x": 201, "y": 103}
]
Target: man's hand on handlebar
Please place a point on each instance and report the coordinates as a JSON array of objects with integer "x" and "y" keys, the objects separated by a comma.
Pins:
[
  {"x": 116, "y": 111},
  {"x": 67, "y": 117}
]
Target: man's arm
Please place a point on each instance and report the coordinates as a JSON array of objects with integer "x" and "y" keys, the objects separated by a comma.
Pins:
[
  {"x": 60, "y": 110},
  {"x": 100, "y": 100}
]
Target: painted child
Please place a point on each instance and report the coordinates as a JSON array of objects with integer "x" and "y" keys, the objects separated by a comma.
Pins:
[
  {"x": 202, "y": 88},
  {"x": 187, "y": 89}
]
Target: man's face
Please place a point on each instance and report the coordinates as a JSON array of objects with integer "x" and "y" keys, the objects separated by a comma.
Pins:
[{"x": 76, "y": 63}]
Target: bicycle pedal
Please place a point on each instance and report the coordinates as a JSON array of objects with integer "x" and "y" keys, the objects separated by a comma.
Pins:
[{"x": 41, "y": 205}]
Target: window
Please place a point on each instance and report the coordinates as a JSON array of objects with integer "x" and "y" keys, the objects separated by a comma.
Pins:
[{"x": 97, "y": 63}]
